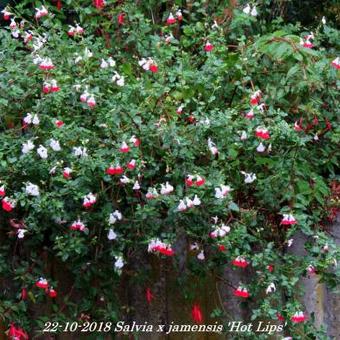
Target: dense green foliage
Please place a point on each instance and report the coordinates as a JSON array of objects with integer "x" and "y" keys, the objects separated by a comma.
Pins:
[{"x": 300, "y": 100}]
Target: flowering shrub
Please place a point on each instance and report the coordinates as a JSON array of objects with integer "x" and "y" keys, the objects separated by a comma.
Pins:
[{"x": 129, "y": 124}]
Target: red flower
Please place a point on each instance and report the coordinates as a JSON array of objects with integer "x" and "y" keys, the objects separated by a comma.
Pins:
[
  {"x": 222, "y": 247},
  {"x": 189, "y": 181},
  {"x": 42, "y": 283},
  {"x": 241, "y": 292},
  {"x": 23, "y": 295},
  {"x": 153, "y": 68},
  {"x": 270, "y": 268},
  {"x": 121, "y": 17},
  {"x": 59, "y": 123},
  {"x": 7, "y": 204},
  {"x": 149, "y": 295},
  {"x": 280, "y": 317},
  {"x": 52, "y": 293},
  {"x": 171, "y": 20},
  {"x": 298, "y": 317},
  {"x": 99, "y": 4},
  {"x": 124, "y": 148},
  {"x": 200, "y": 181},
  {"x": 262, "y": 133},
  {"x": 132, "y": 164},
  {"x": 208, "y": 47},
  {"x": 240, "y": 262},
  {"x": 117, "y": 170},
  {"x": 2, "y": 191},
  {"x": 165, "y": 251},
  {"x": 17, "y": 333},
  {"x": 196, "y": 313}
]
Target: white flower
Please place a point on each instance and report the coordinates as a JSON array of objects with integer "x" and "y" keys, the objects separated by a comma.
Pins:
[
  {"x": 271, "y": 288},
  {"x": 125, "y": 180},
  {"x": 111, "y": 235},
  {"x": 32, "y": 189},
  {"x": 254, "y": 12},
  {"x": 119, "y": 263},
  {"x": 191, "y": 203},
  {"x": 111, "y": 62},
  {"x": 248, "y": 177},
  {"x": 55, "y": 145},
  {"x": 220, "y": 231},
  {"x": 261, "y": 148},
  {"x": 166, "y": 189},
  {"x": 115, "y": 216},
  {"x": 201, "y": 256},
  {"x": 244, "y": 135},
  {"x": 21, "y": 233},
  {"x": 87, "y": 53},
  {"x": 290, "y": 242},
  {"x": 104, "y": 64},
  {"x": 136, "y": 186},
  {"x": 323, "y": 20},
  {"x": 246, "y": 9},
  {"x": 182, "y": 206},
  {"x": 194, "y": 246},
  {"x": 35, "y": 120},
  {"x": 42, "y": 151},
  {"x": 80, "y": 151},
  {"x": 212, "y": 147},
  {"x": 27, "y": 147},
  {"x": 222, "y": 191},
  {"x": 118, "y": 79}
]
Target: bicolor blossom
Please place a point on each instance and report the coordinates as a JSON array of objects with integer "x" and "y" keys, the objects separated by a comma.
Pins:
[
  {"x": 307, "y": 41},
  {"x": 32, "y": 189},
  {"x": 222, "y": 191},
  {"x": 8, "y": 204},
  {"x": 241, "y": 292},
  {"x": 114, "y": 170},
  {"x": 135, "y": 141},
  {"x": 288, "y": 219},
  {"x": 89, "y": 200},
  {"x": 208, "y": 47},
  {"x": 220, "y": 231},
  {"x": 250, "y": 114},
  {"x": 298, "y": 317},
  {"x": 262, "y": 133},
  {"x": 148, "y": 64},
  {"x": 212, "y": 147},
  {"x": 74, "y": 31},
  {"x": 124, "y": 147},
  {"x": 132, "y": 164},
  {"x": 171, "y": 19},
  {"x": 157, "y": 246},
  {"x": 336, "y": 63},
  {"x": 67, "y": 173},
  {"x": 240, "y": 261},
  {"x": 255, "y": 98},
  {"x": 6, "y": 14},
  {"x": 46, "y": 64},
  {"x": 78, "y": 225},
  {"x": 42, "y": 283},
  {"x": 2, "y": 190},
  {"x": 179, "y": 15},
  {"x": 152, "y": 193},
  {"x": 196, "y": 180},
  {"x": 40, "y": 12}
]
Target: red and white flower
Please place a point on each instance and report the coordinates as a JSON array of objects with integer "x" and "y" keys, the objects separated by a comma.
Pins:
[
  {"x": 336, "y": 63},
  {"x": 199, "y": 181},
  {"x": 13, "y": 24},
  {"x": 250, "y": 114},
  {"x": 135, "y": 141},
  {"x": 6, "y": 14},
  {"x": 78, "y": 30},
  {"x": 42, "y": 283},
  {"x": 54, "y": 86},
  {"x": 84, "y": 96},
  {"x": 307, "y": 41},
  {"x": 240, "y": 261},
  {"x": 311, "y": 269},
  {"x": 157, "y": 246},
  {"x": 67, "y": 173},
  {"x": 78, "y": 225},
  {"x": 124, "y": 147},
  {"x": 46, "y": 64},
  {"x": 2, "y": 190},
  {"x": 40, "y": 12},
  {"x": 180, "y": 109},
  {"x": 288, "y": 219},
  {"x": 298, "y": 126},
  {"x": 114, "y": 170},
  {"x": 222, "y": 191},
  {"x": 52, "y": 293},
  {"x": 28, "y": 37},
  {"x": 208, "y": 47},
  {"x": 220, "y": 231},
  {"x": 262, "y": 133},
  {"x": 241, "y": 292},
  {"x": 171, "y": 19},
  {"x": 212, "y": 147},
  {"x": 89, "y": 200},
  {"x": 91, "y": 102},
  {"x": 255, "y": 98},
  {"x": 58, "y": 123},
  {"x": 132, "y": 164},
  {"x": 298, "y": 317},
  {"x": 8, "y": 204},
  {"x": 148, "y": 64},
  {"x": 179, "y": 15},
  {"x": 152, "y": 193}
]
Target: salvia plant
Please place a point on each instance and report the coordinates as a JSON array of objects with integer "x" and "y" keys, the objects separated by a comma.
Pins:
[{"x": 127, "y": 125}]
